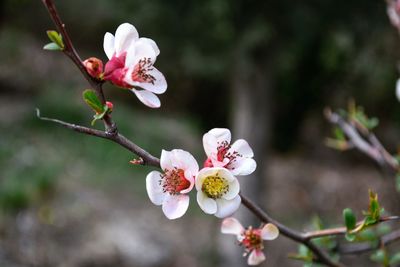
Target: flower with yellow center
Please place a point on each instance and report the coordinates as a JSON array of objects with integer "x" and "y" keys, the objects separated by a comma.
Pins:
[{"x": 217, "y": 191}]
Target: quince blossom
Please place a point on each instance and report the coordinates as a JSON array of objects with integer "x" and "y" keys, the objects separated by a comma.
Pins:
[
  {"x": 171, "y": 187},
  {"x": 251, "y": 239},
  {"x": 238, "y": 157},
  {"x": 217, "y": 191},
  {"x": 131, "y": 64}
]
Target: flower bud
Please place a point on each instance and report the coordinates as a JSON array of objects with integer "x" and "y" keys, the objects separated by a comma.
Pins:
[
  {"x": 94, "y": 67},
  {"x": 109, "y": 105}
]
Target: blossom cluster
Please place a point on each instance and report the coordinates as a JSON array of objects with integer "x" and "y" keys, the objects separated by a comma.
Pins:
[{"x": 216, "y": 183}]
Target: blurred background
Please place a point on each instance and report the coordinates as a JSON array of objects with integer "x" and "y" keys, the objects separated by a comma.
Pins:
[{"x": 265, "y": 69}]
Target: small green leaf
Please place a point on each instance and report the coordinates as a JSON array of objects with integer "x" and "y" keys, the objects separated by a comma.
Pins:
[
  {"x": 395, "y": 259},
  {"x": 369, "y": 221},
  {"x": 349, "y": 219},
  {"x": 350, "y": 237},
  {"x": 52, "y": 47},
  {"x": 93, "y": 101},
  {"x": 56, "y": 38},
  {"x": 339, "y": 134},
  {"x": 379, "y": 256}
]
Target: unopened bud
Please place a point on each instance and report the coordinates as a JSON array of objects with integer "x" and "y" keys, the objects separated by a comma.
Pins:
[
  {"x": 109, "y": 105},
  {"x": 94, "y": 67}
]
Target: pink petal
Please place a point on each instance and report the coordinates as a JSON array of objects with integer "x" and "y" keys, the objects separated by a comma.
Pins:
[
  {"x": 210, "y": 144},
  {"x": 124, "y": 36},
  {"x": 231, "y": 226},
  {"x": 152, "y": 43},
  {"x": 166, "y": 160},
  {"x": 242, "y": 147},
  {"x": 175, "y": 206},
  {"x": 227, "y": 207},
  {"x": 207, "y": 204},
  {"x": 147, "y": 98},
  {"x": 221, "y": 134},
  {"x": 154, "y": 189},
  {"x": 159, "y": 85},
  {"x": 243, "y": 166},
  {"x": 269, "y": 232},
  {"x": 256, "y": 257},
  {"x": 108, "y": 45},
  {"x": 138, "y": 50}
]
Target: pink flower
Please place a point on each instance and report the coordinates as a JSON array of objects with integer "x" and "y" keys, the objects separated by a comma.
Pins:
[
  {"x": 217, "y": 191},
  {"x": 238, "y": 157},
  {"x": 251, "y": 239},
  {"x": 171, "y": 187},
  {"x": 131, "y": 64},
  {"x": 94, "y": 67}
]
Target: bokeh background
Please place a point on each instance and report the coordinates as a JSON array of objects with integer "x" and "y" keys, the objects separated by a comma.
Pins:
[{"x": 265, "y": 69}]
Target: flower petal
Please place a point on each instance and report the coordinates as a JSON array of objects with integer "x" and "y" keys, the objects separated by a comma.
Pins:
[
  {"x": 222, "y": 134},
  {"x": 138, "y": 50},
  {"x": 184, "y": 160},
  {"x": 207, "y": 204},
  {"x": 256, "y": 257},
  {"x": 203, "y": 174},
  {"x": 398, "y": 89},
  {"x": 269, "y": 232},
  {"x": 210, "y": 144},
  {"x": 152, "y": 43},
  {"x": 108, "y": 45},
  {"x": 147, "y": 98},
  {"x": 243, "y": 166},
  {"x": 231, "y": 226},
  {"x": 234, "y": 188},
  {"x": 243, "y": 148},
  {"x": 227, "y": 207},
  {"x": 158, "y": 86},
  {"x": 175, "y": 206},
  {"x": 124, "y": 36},
  {"x": 153, "y": 188},
  {"x": 166, "y": 160}
]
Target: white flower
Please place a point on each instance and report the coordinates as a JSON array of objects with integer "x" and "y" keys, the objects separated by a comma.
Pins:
[
  {"x": 398, "y": 89},
  {"x": 217, "y": 191},
  {"x": 238, "y": 157},
  {"x": 131, "y": 64},
  {"x": 171, "y": 187},
  {"x": 251, "y": 239}
]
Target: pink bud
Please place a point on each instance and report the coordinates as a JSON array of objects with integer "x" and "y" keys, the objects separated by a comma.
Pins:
[
  {"x": 94, "y": 67},
  {"x": 109, "y": 105}
]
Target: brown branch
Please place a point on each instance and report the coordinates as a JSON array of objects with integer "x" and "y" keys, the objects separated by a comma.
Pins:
[
  {"x": 70, "y": 51},
  {"x": 364, "y": 247},
  {"x": 341, "y": 230}
]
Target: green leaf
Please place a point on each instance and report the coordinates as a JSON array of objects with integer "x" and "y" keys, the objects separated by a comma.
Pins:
[
  {"x": 93, "y": 101},
  {"x": 395, "y": 259},
  {"x": 56, "y": 38},
  {"x": 369, "y": 221},
  {"x": 379, "y": 256},
  {"x": 349, "y": 219},
  {"x": 339, "y": 134},
  {"x": 350, "y": 237},
  {"x": 52, "y": 47}
]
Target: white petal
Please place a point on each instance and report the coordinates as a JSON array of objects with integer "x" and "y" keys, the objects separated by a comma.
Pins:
[
  {"x": 166, "y": 160},
  {"x": 159, "y": 85},
  {"x": 227, "y": 207},
  {"x": 175, "y": 206},
  {"x": 398, "y": 89},
  {"x": 210, "y": 144},
  {"x": 153, "y": 188},
  {"x": 184, "y": 160},
  {"x": 108, "y": 45},
  {"x": 227, "y": 175},
  {"x": 124, "y": 36},
  {"x": 243, "y": 166},
  {"x": 203, "y": 174},
  {"x": 256, "y": 257},
  {"x": 147, "y": 98},
  {"x": 242, "y": 147},
  {"x": 207, "y": 204},
  {"x": 140, "y": 50},
  {"x": 152, "y": 43},
  {"x": 222, "y": 134},
  {"x": 231, "y": 226},
  {"x": 233, "y": 190},
  {"x": 269, "y": 232}
]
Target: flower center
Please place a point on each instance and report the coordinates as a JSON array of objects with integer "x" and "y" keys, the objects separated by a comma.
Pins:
[
  {"x": 224, "y": 153},
  {"x": 140, "y": 72},
  {"x": 174, "y": 181},
  {"x": 252, "y": 239},
  {"x": 214, "y": 186}
]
